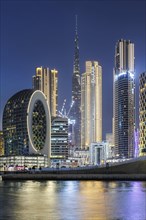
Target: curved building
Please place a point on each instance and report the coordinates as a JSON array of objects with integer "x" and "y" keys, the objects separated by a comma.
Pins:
[{"x": 27, "y": 124}]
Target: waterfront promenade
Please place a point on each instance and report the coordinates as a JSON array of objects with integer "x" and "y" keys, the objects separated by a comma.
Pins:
[{"x": 134, "y": 169}]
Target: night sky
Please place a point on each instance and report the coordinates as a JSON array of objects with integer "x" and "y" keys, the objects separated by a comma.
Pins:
[{"x": 41, "y": 33}]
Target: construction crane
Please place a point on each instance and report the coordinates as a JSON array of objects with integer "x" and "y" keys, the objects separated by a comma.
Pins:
[
  {"x": 63, "y": 112},
  {"x": 64, "y": 102},
  {"x": 72, "y": 103},
  {"x": 71, "y": 122}
]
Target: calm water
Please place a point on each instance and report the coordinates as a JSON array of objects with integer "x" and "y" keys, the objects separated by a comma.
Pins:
[{"x": 73, "y": 200}]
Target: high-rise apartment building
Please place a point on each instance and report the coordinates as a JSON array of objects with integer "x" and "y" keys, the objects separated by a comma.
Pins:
[
  {"x": 124, "y": 99},
  {"x": 142, "y": 114},
  {"x": 59, "y": 138},
  {"x": 75, "y": 113},
  {"x": 91, "y": 104},
  {"x": 1, "y": 144},
  {"x": 47, "y": 81}
]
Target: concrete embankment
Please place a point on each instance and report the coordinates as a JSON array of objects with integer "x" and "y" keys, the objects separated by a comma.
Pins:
[
  {"x": 131, "y": 170},
  {"x": 52, "y": 176}
]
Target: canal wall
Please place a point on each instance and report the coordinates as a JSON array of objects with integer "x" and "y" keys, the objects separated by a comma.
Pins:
[
  {"x": 133, "y": 170},
  {"x": 52, "y": 176}
]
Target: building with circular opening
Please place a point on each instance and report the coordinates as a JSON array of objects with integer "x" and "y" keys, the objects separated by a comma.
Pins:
[{"x": 27, "y": 124}]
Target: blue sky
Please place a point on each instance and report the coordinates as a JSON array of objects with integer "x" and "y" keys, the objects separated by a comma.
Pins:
[{"x": 41, "y": 33}]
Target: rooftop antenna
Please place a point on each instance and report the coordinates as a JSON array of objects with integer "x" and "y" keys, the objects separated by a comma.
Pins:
[{"x": 76, "y": 29}]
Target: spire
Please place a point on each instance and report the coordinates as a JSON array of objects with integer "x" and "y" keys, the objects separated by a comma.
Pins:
[
  {"x": 76, "y": 28},
  {"x": 76, "y": 53}
]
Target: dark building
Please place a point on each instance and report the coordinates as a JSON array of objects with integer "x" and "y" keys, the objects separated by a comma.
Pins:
[
  {"x": 124, "y": 99},
  {"x": 26, "y": 124},
  {"x": 75, "y": 113},
  {"x": 59, "y": 138}
]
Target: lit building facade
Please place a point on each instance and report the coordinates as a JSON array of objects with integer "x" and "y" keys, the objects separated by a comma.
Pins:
[
  {"x": 124, "y": 99},
  {"x": 91, "y": 104},
  {"x": 22, "y": 162},
  {"x": 1, "y": 144},
  {"x": 82, "y": 156},
  {"x": 110, "y": 141},
  {"x": 136, "y": 143},
  {"x": 46, "y": 81},
  {"x": 27, "y": 124},
  {"x": 75, "y": 113},
  {"x": 59, "y": 138},
  {"x": 142, "y": 114},
  {"x": 99, "y": 153}
]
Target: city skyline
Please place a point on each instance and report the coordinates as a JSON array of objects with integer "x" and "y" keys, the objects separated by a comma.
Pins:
[{"x": 28, "y": 41}]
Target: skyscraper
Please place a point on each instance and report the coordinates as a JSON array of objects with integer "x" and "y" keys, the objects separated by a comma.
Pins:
[
  {"x": 47, "y": 81},
  {"x": 142, "y": 114},
  {"x": 124, "y": 99},
  {"x": 91, "y": 104},
  {"x": 75, "y": 113}
]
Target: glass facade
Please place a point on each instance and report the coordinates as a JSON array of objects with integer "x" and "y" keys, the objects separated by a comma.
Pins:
[
  {"x": 38, "y": 125},
  {"x": 75, "y": 113},
  {"x": 15, "y": 124},
  {"x": 124, "y": 99},
  {"x": 26, "y": 124},
  {"x": 59, "y": 138}
]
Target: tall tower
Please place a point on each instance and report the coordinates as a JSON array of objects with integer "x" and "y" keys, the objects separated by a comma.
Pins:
[
  {"x": 91, "y": 104},
  {"x": 47, "y": 81},
  {"x": 124, "y": 99},
  {"x": 75, "y": 113},
  {"x": 142, "y": 114}
]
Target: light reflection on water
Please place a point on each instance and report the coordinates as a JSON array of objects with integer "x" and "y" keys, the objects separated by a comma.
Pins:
[{"x": 73, "y": 200}]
